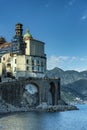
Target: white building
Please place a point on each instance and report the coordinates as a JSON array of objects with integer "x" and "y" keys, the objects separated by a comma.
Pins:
[{"x": 30, "y": 62}]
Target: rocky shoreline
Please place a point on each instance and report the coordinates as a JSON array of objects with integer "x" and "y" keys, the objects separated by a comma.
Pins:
[
  {"x": 61, "y": 108},
  {"x": 8, "y": 108}
]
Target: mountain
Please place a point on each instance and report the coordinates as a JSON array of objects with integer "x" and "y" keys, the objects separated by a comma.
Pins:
[
  {"x": 68, "y": 76},
  {"x": 76, "y": 91},
  {"x": 73, "y": 84}
]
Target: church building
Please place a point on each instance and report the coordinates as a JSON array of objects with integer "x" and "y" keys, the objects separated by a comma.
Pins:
[
  {"x": 24, "y": 60},
  {"x": 25, "y": 56}
]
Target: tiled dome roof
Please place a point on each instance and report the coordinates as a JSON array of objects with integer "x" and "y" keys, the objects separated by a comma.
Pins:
[{"x": 27, "y": 34}]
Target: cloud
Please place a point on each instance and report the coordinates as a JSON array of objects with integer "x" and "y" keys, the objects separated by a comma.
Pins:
[
  {"x": 49, "y": 3},
  {"x": 70, "y": 3},
  {"x": 67, "y": 62},
  {"x": 55, "y": 61},
  {"x": 83, "y": 59},
  {"x": 84, "y": 17},
  {"x": 73, "y": 58}
]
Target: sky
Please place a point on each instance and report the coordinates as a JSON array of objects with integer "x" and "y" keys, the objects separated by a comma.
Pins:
[{"x": 61, "y": 24}]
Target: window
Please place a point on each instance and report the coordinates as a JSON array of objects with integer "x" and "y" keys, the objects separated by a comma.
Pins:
[
  {"x": 41, "y": 69},
  {"x": 15, "y": 69},
  {"x": 27, "y": 61},
  {"x": 38, "y": 68},
  {"x": 42, "y": 64},
  {"x": 3, "y": 58},
  {"x": 8, "y": 65},
  {"x": 27, "y": 68},
  {"x": 32, "y": 68},
  {"x": 19, "y": 33},
  {"x": 15, "y": 61},
  {"x": 37, "y": 62},
  {"x": 32, "y": 62}
]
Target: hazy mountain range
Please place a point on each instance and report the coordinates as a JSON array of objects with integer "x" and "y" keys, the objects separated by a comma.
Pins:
[{"x": 73, "y": 84}]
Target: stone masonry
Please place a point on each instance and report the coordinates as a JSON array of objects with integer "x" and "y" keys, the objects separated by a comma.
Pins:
[{"x": 45, "y": 91}]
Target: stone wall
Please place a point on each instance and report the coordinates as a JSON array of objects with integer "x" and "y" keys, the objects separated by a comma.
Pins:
[
  {"x": 16, "y": 94},
  {"x": 11, "y": 92}
]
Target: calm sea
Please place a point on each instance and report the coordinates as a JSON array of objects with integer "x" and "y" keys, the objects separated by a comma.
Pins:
[{"x": 69, "y": 120}]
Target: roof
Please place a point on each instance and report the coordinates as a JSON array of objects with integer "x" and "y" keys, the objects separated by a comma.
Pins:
[
  {"x": 19, "y": 24},
  {"x": 27, "y": 34},
  {"x": 7, "y": 44}
]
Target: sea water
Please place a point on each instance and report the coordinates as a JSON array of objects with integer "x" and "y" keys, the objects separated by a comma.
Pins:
[{"x": 67, "y": 120}]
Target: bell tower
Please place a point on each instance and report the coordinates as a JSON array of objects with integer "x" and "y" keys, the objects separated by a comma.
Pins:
[
  {"x": 19, "y": 29},
  {"x": 18, "y": 45}
]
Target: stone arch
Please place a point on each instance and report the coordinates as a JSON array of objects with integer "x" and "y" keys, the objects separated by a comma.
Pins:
[
  {"x": 52, "y": 91},
  {"x": 31, "y": 94}
]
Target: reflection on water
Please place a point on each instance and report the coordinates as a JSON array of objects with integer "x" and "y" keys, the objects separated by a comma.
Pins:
[{"x": 69, "y": 120}]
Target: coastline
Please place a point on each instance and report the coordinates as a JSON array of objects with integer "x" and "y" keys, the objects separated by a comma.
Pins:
[{"x": 58, "y": 108}]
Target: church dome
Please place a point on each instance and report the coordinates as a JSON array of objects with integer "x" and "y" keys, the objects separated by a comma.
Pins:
[
  {"x": 27, "y": 35},
  {"x": 2, "y": 40}
]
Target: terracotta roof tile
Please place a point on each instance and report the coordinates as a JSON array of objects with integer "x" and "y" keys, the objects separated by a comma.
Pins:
[{"x": 7, "y": 44}]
